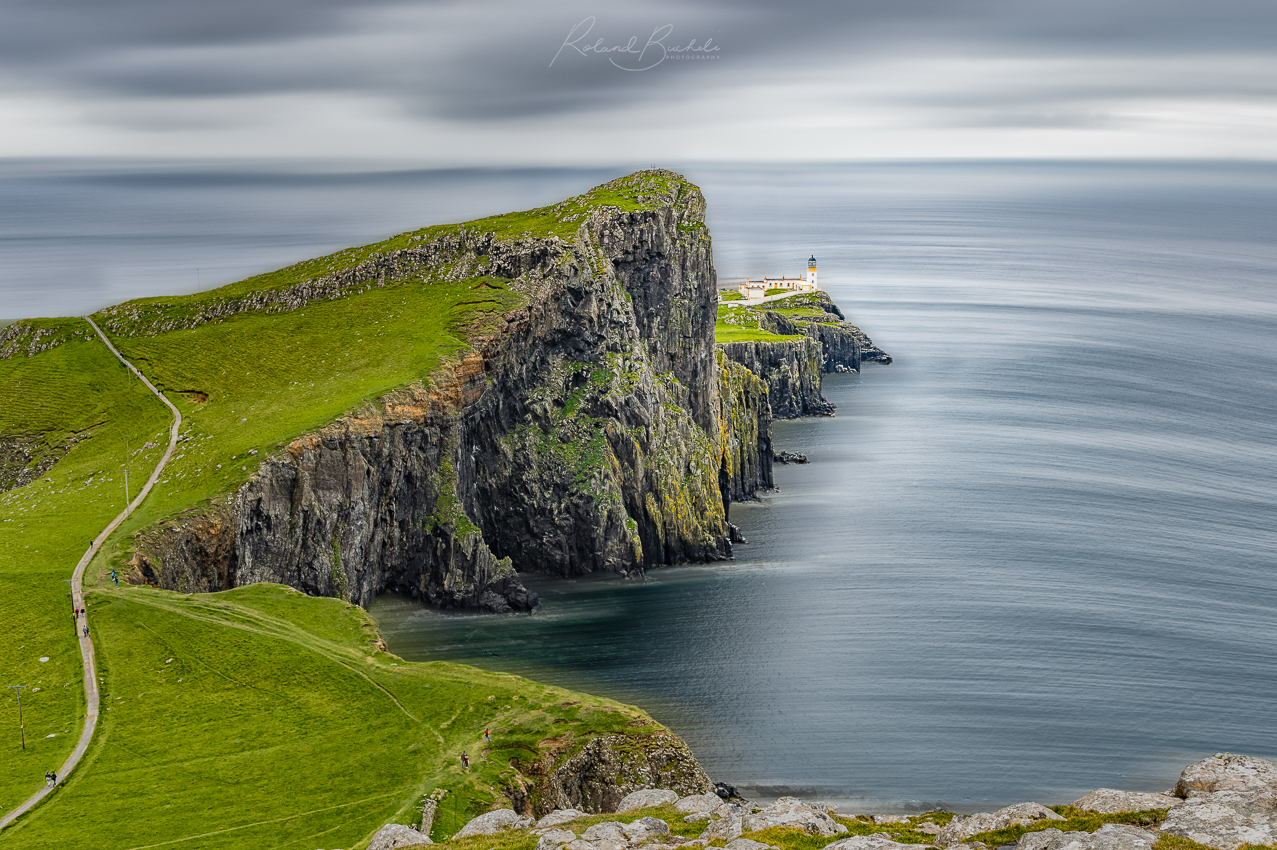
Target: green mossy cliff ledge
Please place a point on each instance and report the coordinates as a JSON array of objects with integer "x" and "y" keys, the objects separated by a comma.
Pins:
[{"x": 579, "y": 429}]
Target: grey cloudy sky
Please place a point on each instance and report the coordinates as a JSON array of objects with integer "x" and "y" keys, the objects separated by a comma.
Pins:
[{"x": 492, "y": 81}]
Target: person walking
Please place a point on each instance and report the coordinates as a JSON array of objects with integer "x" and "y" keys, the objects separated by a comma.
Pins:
[
  {"x": 487, "y": 739},
  {"x": 54, "y": 777},
  {"x": 465, "y": 760}
]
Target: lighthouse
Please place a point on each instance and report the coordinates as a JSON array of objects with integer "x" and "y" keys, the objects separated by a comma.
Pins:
[{"x": 811, "y": 273}]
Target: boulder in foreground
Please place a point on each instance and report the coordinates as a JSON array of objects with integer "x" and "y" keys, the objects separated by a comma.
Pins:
[
  {"x": 392, "y": 836},
  {"x": 1021, "y": 814},
  {"x": 1108, "y": 801},
  {"x": 490, "y": 823}
]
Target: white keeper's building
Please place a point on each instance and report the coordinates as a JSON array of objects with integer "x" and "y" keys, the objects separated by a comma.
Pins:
[{"x": 752, "y": 289}]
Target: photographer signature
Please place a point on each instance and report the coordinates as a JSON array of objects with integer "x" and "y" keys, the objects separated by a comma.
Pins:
[{"x": 635, "y": 58}]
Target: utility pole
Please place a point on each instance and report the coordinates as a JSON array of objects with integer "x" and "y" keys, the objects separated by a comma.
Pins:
[{"x": 21, "y": 728}]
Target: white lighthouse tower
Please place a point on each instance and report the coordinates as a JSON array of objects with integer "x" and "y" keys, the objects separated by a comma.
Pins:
[{"x": 811, "y": 273}]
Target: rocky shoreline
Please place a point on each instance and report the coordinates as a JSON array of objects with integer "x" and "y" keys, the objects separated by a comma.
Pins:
[{"x": 1225, "y": 802}]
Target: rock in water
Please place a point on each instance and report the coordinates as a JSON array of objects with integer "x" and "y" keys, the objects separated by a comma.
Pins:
[
  {"x": 791, "y": 457},
  {"x": 646, "y": 797},
  {"x": 493, "y": 822},
  {"x": 792, "y": 812},
  {"x": 1021, "y": 814},
  {"x": 393, "y": 836},
  {"x": 1110, "y": 801}
]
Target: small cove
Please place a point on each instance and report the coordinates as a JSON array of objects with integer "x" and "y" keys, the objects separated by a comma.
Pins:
[{"x": 1030, "y": 558}]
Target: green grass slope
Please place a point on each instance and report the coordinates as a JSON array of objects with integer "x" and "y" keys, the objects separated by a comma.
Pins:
[
  {"x": 738, "y": 323},
  {"x": 77, "y": 399},
  {"x": 276, "y": 723},
  {"x": 261, "y": 717}
]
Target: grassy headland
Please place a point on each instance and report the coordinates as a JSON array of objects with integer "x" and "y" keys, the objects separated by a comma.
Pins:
[{"x": 257, "y": 717}]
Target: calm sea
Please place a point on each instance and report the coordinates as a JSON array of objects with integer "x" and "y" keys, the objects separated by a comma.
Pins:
[{"x": 1034, "y": 556}]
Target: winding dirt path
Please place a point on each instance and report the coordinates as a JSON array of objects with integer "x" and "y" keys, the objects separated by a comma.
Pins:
[{"x": 77, "y": 596}]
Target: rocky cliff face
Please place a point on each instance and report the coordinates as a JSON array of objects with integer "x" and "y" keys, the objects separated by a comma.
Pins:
[
  {"x": 744, "y": 416},
  {"x": 792, "y": 369},
  {"x": 597, "y": 777},
  {"x": 585, "y": 432}
]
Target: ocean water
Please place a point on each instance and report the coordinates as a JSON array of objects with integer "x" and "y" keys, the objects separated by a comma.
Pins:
[{"x": 1034, "y": 556}]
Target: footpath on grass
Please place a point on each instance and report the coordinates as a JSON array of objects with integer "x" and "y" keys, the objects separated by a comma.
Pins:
[{"x": 77, "y": 598}]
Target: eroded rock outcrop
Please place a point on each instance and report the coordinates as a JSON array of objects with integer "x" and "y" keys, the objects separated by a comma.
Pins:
[
  {"x": 604, "y": 772},
  {"x": 792, "y": 368},
  {"x": 584, "y": 431},
  {"x": 1231, "y": 800},
  {"x": 1021, "y": 814}
]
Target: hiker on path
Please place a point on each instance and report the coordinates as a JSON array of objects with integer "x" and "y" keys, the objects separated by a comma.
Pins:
[
  {"x": 486, "y": 737},
  {"x": 86, "y": 631},
  {"x": 465, "y": 760},
  {"x": 54, "y": 776},
  {"x": 48, "y": 778}
]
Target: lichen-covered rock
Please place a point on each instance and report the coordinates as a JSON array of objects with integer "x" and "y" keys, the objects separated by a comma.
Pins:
[
  {"x": 1227, "y": 772},
  {"x": 1021, "y": 814},
  {"x": 725, "y": 825},
  {"x": 644, "y": 829},
  {"x": 612, "y": 829},
  {"x": 559, "y": 816},
  {"x": 1229, "y": 818},
  {"x": 553, "y": 838},
  {"x": 794, "y": 813},
  {"x": 748, "y": 844},
  {"x": 883, "y": 819},
  {"x": 1111, "y": 836},
  {"x": 694, "y": 803},
  {"x": 646, "y": 797},
  {"x": 1110, "y": 801},
  {"x": 877, "y": 841},
  {"x": 393, "y": 836},
  {"x": 490, "y": 823}
]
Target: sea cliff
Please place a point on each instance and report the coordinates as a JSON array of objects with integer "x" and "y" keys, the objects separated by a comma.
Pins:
[
  {"x": 586, "y": 423},
  {"x": 583, "y": 431}
]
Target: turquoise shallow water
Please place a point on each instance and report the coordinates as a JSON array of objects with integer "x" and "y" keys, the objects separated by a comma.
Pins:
[{"x": 1032, "y": 557}]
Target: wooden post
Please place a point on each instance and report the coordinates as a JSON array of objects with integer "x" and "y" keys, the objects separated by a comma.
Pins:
[{"x": 21, "y": 728}]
